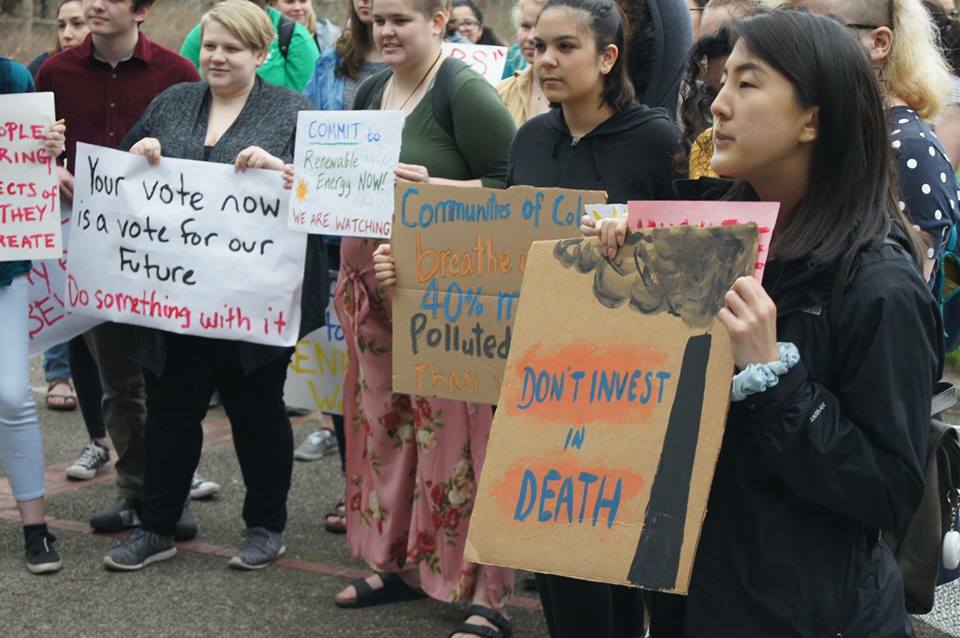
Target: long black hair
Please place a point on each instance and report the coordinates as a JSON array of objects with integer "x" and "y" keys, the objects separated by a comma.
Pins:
[
  {"x": 608, "y": 26},
  {"x": 696, "y": 94},
  {"x": 849, "y": 203}
]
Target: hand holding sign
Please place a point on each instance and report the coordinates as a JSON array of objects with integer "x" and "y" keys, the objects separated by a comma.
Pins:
[{"x": 750, "y": 317}]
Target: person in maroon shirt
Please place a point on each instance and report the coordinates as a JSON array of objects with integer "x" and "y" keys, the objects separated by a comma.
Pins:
[{"x": 101, "y": 88}]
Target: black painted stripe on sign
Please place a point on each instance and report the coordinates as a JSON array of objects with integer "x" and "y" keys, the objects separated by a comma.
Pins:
[{"x": 657, "y": 558}]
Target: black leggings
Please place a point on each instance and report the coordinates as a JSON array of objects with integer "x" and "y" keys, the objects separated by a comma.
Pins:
[
  {"x": 86, "y": 381},
  {"x": 341, "y": 441},
  {"x": 578, "y": 608},
  {"x": 262, "y": 438}
]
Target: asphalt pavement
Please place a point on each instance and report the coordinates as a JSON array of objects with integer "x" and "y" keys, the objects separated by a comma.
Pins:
[{"x": 195, "y": 594}]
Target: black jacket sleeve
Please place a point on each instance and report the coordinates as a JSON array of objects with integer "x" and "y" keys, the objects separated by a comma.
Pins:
[{"x": 861, "y": 452}]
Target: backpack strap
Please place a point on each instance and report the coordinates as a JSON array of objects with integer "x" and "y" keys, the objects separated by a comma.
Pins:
[
  {"x": 363, "y": 98},
  {"x": 443, "y": 93},
  {"x": 285, "y": 34}
]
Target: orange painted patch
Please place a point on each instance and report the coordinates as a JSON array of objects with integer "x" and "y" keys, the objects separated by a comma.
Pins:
[
  {"x": 506, "y": 490},
  {"x": 572, "y": 405}
]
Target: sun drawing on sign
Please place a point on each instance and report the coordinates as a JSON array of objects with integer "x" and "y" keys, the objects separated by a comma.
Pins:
[{"x": 302, "y": 190}]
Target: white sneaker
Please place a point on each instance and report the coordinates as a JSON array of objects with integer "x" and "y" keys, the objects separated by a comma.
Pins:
[
  {"x": 316, "y": 446},
  {"x": 92, "y": 458},
  {"x": 202, "y": 488}
]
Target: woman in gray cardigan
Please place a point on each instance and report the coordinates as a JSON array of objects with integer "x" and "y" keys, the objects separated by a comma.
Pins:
[{"x": 233, "y": 118}]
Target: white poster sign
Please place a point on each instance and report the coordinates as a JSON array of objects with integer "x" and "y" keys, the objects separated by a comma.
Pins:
[
  {"x": 188, "y": 247},
  {"x": 29, "y": 186},
  {"x": 49, "y": 321},
  {"x": 343, "y": 172},
  {"x": 486, "y": 60},
  {"x": 315, "y": 373}
]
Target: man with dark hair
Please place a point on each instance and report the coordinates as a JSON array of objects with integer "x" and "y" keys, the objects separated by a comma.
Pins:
[
  {"x": 291, "y": 57},
  {"x": 101, "y": 87}
]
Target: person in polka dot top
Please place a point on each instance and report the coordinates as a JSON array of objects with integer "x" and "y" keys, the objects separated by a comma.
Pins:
[
  {"x": 928, "y": 188},
  {"x": 901, "y": 41}
]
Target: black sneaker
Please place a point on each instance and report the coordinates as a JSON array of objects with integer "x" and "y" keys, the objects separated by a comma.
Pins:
[
  {"x": 42, "y": 558},
  {"x": 187, "y": 527},
  {"x": 120, "y": 516},
  {"x": 93, "y": 458},
  {"x": 138, "y": 550}
]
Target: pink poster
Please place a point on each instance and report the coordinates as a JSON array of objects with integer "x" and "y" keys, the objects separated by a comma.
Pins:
[{"x": 650, "y": 214}]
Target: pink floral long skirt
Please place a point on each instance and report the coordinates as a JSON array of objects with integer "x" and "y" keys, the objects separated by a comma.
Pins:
[{"x": 412, "y": 462}]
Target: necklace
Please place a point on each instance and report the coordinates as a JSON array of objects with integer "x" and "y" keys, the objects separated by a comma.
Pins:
[{"x": 419, "y": 84}]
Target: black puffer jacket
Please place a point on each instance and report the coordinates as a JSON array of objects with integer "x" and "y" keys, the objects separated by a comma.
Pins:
[{"x": 813, "y": 468}]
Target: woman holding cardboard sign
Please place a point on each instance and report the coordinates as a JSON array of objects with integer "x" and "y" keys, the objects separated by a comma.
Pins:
[
  {"x": 221, "y": 120},
  {"x": 412, "y": 462},
  {"x": 837, "y": 352},
  {"x": 579, "y": 59}
]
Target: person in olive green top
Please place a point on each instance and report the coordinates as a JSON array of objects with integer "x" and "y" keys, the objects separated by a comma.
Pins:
[
  {"x": 399, "y": 519},
  {"x": 291, "y": 71}
]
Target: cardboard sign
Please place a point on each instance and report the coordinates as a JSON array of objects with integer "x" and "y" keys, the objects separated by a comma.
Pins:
[
  {"x": 486, "y": 60},
  {"x": 49, "y": 321},
  {"x": 187, "y": 247},
  {"x": 29, "y": 186},
  {"x": 460, "y": 255},
  {"x": 652, "y": 214},
  {"x": 315, "y": 373},
  {"x": 343, "y": 172},
  {"x": 613, "y": 407}
]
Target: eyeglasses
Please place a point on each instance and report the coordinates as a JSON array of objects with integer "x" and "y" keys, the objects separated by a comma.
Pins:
[{"x": 467, "y": 24}]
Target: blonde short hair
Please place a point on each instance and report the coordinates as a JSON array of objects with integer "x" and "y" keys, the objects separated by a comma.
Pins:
[
  {"x": 518, "y": 9},
  {"x": 245, "y": 20}
]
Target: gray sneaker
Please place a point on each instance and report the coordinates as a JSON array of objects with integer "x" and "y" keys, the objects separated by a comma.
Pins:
[
  {"x": 138, "y": 550},
  {"x": 316, "y": 446},
  {"x": 259, "y": 549}
]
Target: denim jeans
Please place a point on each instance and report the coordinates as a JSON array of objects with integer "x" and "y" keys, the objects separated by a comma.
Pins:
[{"x": 56, "y": 363}]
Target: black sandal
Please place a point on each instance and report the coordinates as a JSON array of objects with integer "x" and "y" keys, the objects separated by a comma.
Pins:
[
  {"x": 394, "y": 590},
  {"x": 340, "y": 512},
  {"x": 504, "y": 628}
]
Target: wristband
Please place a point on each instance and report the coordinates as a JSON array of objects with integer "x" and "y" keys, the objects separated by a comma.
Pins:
[{"x": 758, "y": 377}]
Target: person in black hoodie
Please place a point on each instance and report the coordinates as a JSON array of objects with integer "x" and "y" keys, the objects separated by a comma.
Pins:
[
  {"x": 597, "y": 137},
  {"x": 658, "y": 46},
  {"x": 830, "y": 448}
]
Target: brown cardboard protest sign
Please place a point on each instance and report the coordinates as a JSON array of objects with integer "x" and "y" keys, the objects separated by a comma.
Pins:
[
  {"x": 460, "y": 255},
  {"x": 612, "y": 412}
]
